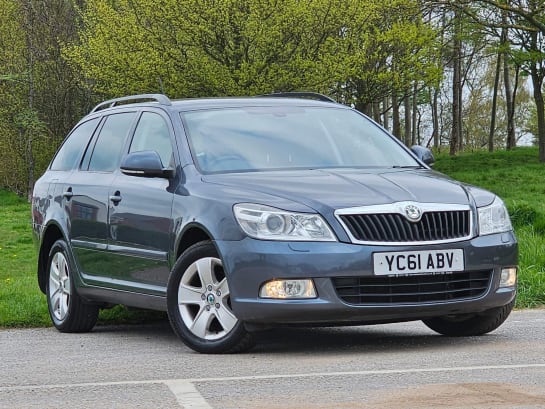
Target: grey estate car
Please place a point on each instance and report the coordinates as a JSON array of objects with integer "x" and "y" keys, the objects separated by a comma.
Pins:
[{"x": 237, "y": 214}]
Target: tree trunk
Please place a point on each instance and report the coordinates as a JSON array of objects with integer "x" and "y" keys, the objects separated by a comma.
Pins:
[
  {"x": 376, "y": 113},
  {"x": 494, "y": 104},
  {"x": 415, "y": 116},
  {"x": 435, "y": 118},
  {"x": 456, "y": 132},
  {"x": 460, "y": 110},
  {"x": 540, "y": 106},
  {"x": 537, "y": 84},
  {"x": 509, "y": 103},
  {"x": 30, "y": 158},
  {"x": 407, "y": 108},
  {"x": 385, "y": 109},
  {"x": 28, "y": 132},
  {"x": 396, "y": 122},
  {"x": 364, "y": 108}
]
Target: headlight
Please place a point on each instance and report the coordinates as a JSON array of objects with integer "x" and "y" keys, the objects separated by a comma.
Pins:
[
  {"x": 268, "y": 223},
  {"x": 494, "y": 218}
]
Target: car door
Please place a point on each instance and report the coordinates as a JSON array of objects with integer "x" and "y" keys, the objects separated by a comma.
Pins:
[
  {"x": 62, "y": 176},
  {"x": 87, "y": 200},
  {"x": 140, "y": 216}
]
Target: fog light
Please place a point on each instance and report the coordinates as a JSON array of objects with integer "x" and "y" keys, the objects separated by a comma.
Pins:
[
  {"x": 508, "y": 277},
  {"x": 288, "y": 289}
]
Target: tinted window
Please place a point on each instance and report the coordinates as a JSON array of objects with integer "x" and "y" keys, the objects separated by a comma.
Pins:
[
  {"x": 257, "y": 138},
  {"x": 107, "y": 152},
  {"x": 152, "y": 134},
  {"x": 74, "y": 145}
]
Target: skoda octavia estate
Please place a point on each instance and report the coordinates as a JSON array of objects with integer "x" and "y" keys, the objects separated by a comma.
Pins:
[{"x": 237, "y": 214}]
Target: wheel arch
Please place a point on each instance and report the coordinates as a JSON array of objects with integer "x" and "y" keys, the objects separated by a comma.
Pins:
[
  {"x": 52, "y": 233},
  {"x": 191, "y": 234}
]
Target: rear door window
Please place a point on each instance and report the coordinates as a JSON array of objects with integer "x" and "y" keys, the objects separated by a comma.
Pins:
[{"x": 107, "y": 151}]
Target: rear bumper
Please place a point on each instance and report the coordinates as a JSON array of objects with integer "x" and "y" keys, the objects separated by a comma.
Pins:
[{"x": 249, "y": 263}]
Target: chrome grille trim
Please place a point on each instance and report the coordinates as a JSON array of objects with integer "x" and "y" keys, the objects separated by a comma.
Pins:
[{"x": 388, "y": 225}]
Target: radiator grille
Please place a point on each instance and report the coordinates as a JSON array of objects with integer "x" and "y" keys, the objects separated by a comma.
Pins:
[
  {"x": 394, "y": 227},
  {"x": 412, "y": 289}
]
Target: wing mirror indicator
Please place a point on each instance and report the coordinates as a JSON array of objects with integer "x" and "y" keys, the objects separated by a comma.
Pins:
[{"x": 145, "y": 164}]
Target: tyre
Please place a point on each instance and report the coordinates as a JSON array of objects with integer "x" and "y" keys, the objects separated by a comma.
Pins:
[
  {"x": 470, "y": 324},
  {"x": 67, "y": 310},
  {"x": 199, "y": 306}
]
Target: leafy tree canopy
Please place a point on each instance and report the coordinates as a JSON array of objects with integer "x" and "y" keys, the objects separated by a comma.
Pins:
[{"x": 361, "y": 48}]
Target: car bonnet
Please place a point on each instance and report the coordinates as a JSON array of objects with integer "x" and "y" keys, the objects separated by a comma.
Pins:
[{"x": 331, "y": 189}]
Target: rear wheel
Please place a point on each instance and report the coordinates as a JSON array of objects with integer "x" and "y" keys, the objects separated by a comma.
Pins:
[
  {"x": 470, "y": 324},
  {"x": 199, "y": 304},
  {"x": 67, "y": 310}
]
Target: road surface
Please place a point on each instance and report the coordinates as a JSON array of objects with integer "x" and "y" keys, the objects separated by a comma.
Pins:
[{"x": 380, "y": 367}]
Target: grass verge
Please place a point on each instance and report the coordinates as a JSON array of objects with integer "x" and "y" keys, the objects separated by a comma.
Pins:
[
  {"x": 22, "y": 304},
  {"x": 518, "y": 178}
]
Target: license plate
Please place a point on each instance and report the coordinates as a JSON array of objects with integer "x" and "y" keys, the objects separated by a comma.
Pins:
[{"x": 418, "y": 262}]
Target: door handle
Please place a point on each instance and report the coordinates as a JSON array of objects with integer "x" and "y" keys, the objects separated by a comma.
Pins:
[
  {"x": 116, "y": 198},
  {"x": 68, "y": 193}
]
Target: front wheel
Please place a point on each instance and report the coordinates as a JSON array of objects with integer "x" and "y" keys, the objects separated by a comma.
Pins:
[
  {"x": 67, "y": 310},
  {"x": 470, "y": 324},
  {"x": 199, "y": 304}
]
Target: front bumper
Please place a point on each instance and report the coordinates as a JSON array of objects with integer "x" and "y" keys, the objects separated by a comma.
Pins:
[{"x": 249, "y": 263}]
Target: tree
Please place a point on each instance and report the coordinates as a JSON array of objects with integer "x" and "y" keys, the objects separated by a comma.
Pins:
[
  {"x": 13, "y": 92},
  {"x": 204, "y": 48},
  {"x": 525, "y": 20},
  {"x": 40, "y": 97},
  {"x": 384, "y": 49},
  {"x": 352, "y": 49}
]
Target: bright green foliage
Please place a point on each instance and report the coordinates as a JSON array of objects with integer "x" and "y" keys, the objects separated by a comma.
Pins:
[
  {"x": 234, "y": 47},
  {"x": 385, "y": 48},
  {"x": 199, "y": 48}
]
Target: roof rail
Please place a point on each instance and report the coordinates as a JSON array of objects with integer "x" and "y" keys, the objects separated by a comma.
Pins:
[
  {"x": 301, "y": 94},
  {"x": 160, "y": 98}
]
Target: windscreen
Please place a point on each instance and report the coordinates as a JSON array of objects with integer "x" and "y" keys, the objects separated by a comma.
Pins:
[{"x": 277, "y": 138}]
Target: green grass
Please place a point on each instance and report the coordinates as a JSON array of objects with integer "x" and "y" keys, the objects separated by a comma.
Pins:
[
  {"x": 22, "y": 304},
  {"x": 516, "y": 176},
  {"x": 519, "y": 179}
]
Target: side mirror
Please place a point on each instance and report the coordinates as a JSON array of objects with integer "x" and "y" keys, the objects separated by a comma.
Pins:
[
  {"x": 145, "y": 164},
  {"x": 424, "y": 154}
]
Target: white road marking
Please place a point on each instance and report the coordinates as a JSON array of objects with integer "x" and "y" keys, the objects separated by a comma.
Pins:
[
  {"x": 284, "y": 376},
  {"x": 371, "y": 372},
  {"x": 187, "y": 395}
]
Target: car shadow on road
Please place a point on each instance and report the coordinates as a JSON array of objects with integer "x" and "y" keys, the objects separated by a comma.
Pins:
[
  {"x": 364, "y": 338},
  {"x": 369, "y": 339}
]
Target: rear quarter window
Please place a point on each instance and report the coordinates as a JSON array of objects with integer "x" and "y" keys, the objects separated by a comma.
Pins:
[{"x": 74, "y": 145}]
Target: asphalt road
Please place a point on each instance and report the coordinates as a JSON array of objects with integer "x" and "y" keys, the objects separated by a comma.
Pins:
[{"x": 388, "y": 366}]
